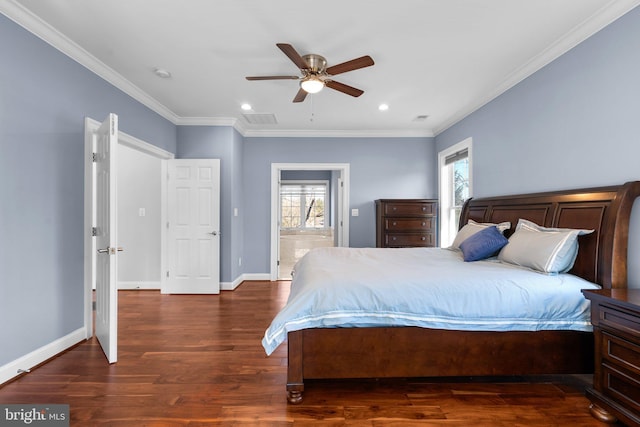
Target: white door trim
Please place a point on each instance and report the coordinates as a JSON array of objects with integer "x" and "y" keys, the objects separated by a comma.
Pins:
[
  {"x": 90, "y": 126},
  {"x": 276, "y": 169}
]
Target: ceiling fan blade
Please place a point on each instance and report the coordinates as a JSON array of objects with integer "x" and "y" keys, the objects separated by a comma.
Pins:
[
  {"x": 272, "y": 78},
  {"x": 300, "y": 96},
  {"x": 341, "y": 87},
  {"x": 354, "y": 64},
  {"x": 293, "y": 55}
]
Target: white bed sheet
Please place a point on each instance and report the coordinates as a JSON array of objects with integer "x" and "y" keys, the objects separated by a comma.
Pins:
[{"x": 425, "y": 287}]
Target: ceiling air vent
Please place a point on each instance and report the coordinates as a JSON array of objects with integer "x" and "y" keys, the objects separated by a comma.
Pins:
[
  {"x": 421, "y": 118},
  {"x": 260, "y": 118}
]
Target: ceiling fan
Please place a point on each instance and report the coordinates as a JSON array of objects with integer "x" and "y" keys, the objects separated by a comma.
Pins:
[{"x": 316, "y": 74}]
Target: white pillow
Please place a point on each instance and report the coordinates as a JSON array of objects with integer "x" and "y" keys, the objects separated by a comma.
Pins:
[
  {"x": 548, "y": 250},
  {"x": 473, "y": 227}
]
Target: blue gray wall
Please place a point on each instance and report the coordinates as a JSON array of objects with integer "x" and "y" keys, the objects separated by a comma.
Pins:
[
  {"x": 379, "y": 168},
  {"x": 44, "y": 98},
  {"x": 572, "y": 124}
]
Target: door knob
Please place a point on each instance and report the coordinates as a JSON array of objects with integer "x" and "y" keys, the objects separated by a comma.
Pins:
[
  {"x": 214, "y": 233},
  {"x": 110, "y": 251}
]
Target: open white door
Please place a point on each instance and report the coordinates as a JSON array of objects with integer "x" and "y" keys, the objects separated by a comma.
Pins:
[
  {"x": 193, "y": 238},
  {"x": 106, "y": 326}
]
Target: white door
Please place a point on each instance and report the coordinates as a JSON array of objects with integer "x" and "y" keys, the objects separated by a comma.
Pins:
[
  {"x": 106, "y": 328},
  {"x": 193, "y": 237}
]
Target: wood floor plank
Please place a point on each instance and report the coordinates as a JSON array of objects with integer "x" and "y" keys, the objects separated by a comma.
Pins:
[{"x": 197, "y": 360}]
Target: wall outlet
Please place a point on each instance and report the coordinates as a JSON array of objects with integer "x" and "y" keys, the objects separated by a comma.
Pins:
[
  {"x": 355, "y": 212},
  {"x": 239, "y": 261}
]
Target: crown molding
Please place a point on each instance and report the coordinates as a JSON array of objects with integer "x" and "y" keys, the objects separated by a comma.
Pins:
[
  {"x": 32, "y": 23},
  {"x": 581, "y": 32},
  {"x": 311, "y": 133}
]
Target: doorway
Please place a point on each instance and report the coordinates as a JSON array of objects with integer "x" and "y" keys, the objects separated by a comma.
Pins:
[
  {"x": 337, "y": 177},
  {"x": 305, "y": 219}
]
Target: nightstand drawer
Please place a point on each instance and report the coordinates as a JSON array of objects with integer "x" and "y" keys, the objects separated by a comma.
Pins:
[
  {"x": 402, "y": 240},
  {"x": 398, "y": 224},
  {"x": 620, "y": 352},
  {"x": 409, "y": 209},
  {"x": 621, "y": 386},
  {"x": 619, "y": 321}
]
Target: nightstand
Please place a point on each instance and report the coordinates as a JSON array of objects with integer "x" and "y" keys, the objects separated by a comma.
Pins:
[{"x": 615, "y": 315}]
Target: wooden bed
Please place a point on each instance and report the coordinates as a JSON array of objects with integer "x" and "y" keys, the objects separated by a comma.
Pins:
[{"x": 338, "y": 353}]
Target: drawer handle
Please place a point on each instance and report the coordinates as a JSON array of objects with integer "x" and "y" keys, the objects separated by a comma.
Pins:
[
  {"x": 424, "y": 208},
  {"x": 423, "y": 238},
  {"x": 424, "y": 223},
  {"x": 394, "y": 208},
  {"x": 393, "y": 238},
  {"x": 395, "y": 223}
]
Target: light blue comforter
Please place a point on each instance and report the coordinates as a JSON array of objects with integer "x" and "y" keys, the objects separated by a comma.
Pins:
[{"x": 426, "y": 287}]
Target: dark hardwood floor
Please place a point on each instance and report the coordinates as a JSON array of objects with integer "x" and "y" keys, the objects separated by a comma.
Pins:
[{"x": 188, "y": 360}]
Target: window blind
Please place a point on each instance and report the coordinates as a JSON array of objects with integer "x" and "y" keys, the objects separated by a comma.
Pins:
[{"x": 458, "y": 155}]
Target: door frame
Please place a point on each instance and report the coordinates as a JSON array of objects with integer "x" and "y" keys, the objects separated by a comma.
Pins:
[
  {"x": 342, "y": 202},
  {"x": 90, "y": 126}
]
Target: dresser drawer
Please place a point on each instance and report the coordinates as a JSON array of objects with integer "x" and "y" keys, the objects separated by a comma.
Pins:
[
  {"x": 409, "y": 209},
  {"x": 621, "y": 386},
  {"x": 620, "y": 352},
  {"x": 404, "y": 224},
  {"x": 403, "y": 240},
  {"x": 617, "y": 320}
]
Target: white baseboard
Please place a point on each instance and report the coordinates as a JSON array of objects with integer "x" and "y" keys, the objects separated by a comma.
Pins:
[
  {"x": 256, "y": 276},
  {"x": 230, "y": 286},
  {"x": 139, "y": 285},
  {"x": 224, "y": 286},
  {"x": 28, "y": 361}
]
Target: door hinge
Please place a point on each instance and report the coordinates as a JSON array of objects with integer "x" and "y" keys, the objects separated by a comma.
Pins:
[
  {"x": 167, "y": 273},
  {"x": 94, "y": 157},
  {"x": 94, "y": 231},
  {"x": 278, "y": 262}
]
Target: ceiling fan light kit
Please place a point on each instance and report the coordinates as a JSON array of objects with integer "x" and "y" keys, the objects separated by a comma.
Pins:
[
  {"x": 311, "y": 84},
  {"x": 316, "y": 75}
]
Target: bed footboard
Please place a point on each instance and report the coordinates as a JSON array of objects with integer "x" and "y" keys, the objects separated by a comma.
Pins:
[{"x": 400, "y": 352}]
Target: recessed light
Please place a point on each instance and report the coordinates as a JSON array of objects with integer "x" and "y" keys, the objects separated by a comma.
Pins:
[
  {"x": 161, "y": 72},
  {"x": 246, "y": 107},
  {"x": 383, "y": 107}
]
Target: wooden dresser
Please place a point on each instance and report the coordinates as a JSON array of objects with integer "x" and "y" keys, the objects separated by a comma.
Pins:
[
  {"x": 406, "y": 223},
  {"x": 615, "y": 315}
]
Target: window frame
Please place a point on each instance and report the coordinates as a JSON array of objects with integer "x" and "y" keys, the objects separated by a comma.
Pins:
[
  {"x": 446, "y": 190},
  {"x": 303, "y": 207}
]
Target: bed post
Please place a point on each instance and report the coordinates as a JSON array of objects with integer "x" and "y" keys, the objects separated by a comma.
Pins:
[
  {"x": 615, "y": 263},
  {"x": 295, "y": 384}
]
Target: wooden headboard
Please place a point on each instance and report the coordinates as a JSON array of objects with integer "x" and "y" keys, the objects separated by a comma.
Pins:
[{"x": 602, "y": 255}]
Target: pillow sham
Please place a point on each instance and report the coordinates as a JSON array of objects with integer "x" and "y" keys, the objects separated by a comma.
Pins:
[
  {"x": 548, "y": 250},
  {"x": 472, "y": 227},
  {"x": 483, "y": 244}
]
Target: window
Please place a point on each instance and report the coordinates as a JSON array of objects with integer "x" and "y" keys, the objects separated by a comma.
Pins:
[
  {"x": 455, "y": 188},
  {"x": 302, "y": 205}
]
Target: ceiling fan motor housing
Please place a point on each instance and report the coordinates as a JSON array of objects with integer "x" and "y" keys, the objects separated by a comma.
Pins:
[{"x": 317, "y": 64}]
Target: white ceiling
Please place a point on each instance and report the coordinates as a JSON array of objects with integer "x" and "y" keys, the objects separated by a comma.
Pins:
[{"x": 439, "y": 58}]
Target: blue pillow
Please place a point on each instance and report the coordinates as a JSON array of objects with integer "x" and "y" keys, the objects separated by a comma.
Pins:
[{"x": 483, "y": 244}]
